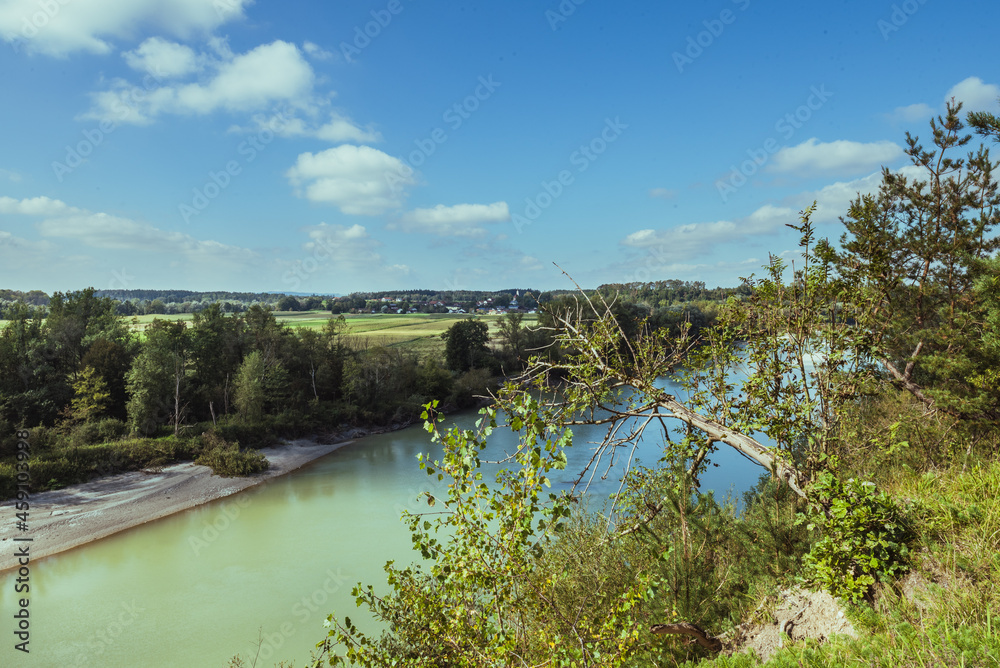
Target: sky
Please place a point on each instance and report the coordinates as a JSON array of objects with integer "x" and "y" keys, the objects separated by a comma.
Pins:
[{"x": 332, "y": 147}]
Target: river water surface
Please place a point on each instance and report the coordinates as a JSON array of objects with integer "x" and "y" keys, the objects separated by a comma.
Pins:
[{"x": 258, "y": 571}]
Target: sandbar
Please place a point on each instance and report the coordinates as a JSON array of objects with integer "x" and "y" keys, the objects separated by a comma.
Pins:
[{"x": 63, "y": 519}]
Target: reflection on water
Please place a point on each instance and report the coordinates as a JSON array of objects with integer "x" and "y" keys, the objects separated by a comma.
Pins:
[{"x": 269, "y": 564}]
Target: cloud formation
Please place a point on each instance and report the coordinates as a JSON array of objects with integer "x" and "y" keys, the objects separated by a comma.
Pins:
[
  {"x": 975, "y": 95},
  {"x": 161, "y": 58},
  {"x": 263, "y": 78},
  {"x": 813, "y": 157},
  {"x": 460, "y": 220},
  {"x": 359, "y": 180},
  {"x": 108, "y": 232},
  {"x": 62, "y": 28},
  {"x": 685, "y": 242},
  {"x": 339, "y": 129}
]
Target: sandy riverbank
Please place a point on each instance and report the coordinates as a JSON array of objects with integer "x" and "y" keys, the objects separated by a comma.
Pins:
[{"x": 63, "y": 519}]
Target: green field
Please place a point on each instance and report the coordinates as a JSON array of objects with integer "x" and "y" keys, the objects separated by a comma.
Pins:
[{"x": 418, "y": 332}]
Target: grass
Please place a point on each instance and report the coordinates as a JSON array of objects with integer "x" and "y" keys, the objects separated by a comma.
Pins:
[
  {"x": 946, "y": 611},
  {"x": 416, "y": 332}
]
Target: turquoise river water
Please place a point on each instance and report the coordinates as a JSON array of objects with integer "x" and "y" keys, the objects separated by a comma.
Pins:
[{"x": 258, "y": 571}]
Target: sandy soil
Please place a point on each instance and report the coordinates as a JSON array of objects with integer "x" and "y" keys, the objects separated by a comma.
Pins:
[
  {"x": 67, "y": 518},
  {"x": 799, "y": 614}
]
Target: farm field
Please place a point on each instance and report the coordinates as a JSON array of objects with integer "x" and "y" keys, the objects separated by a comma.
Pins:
[{"x": 417, "y": 332}]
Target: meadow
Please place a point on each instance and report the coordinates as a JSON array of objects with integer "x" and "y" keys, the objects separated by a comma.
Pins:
[{"x": 416, "y": 332}]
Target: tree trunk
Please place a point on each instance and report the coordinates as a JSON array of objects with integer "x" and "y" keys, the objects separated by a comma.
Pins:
[{"x": 688, "y": 629}]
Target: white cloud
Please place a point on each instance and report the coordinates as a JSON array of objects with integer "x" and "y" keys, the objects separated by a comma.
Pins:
[
  {"x": 266, "y": 76},
  {"x": 63, "y": 27},
  {"x": 341, "y": 253},
  {"x": 161, "y": 58},
  {"x": 767, "y": 218},
  {"x": 346, "y": 247},
  {"x": 340, "y": 129},
  {"x": 529, "y": 263},
  {"x": 972, "y": 92},
  {"x": 841, "y": 156},
  {"x": 8, "y": 242},
  {"x": 107, "y": 232},
  {"x": 912, "y": 113},
  {"x": 316, "y": 51},
  {"x": 975, "y": 95},
  {"x": 104, "y": 231},
  {"x": 699, "y": 239},
  {"x": 683, "y": 241},
  {"x": 7, "y": 174},
  {"x": 360, "y": 180},
  {"x": 36, "y": 206},
  {"x": 662, "y": 193},
  {"x": 460, "y": 220}
]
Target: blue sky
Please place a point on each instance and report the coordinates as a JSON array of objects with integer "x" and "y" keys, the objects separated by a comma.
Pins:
[{"x": 331, "y": 147}]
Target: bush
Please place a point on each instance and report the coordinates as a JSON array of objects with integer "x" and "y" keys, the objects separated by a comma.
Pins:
[
  {"x": 257, "y": 435},
  {"x": 227, "y": 460},
  {"x": 865, "y": 537},
  {"x": 103, "y": 431},
  {"x": 470, "y": 386}
]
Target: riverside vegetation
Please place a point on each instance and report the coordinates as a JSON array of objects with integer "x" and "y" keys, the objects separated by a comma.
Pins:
[
  {"x": 873, "y": 368},
  {"x": 100, "y": 397},
  {"x": 103, "y": 393}
]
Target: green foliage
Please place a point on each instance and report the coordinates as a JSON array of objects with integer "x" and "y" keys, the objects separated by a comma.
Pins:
[
  {"x": 913, "y": 255},
  {"x": 514, "y": 337},
  {"x": 157, "y": 380},
  {"x": 56, "y": 464},
  {"x": 465, "y": 344},
  {"x": 865, "y": 536},
  {"x": 249, "y": 388},
  {"x": 227, "y": 460},
  {"x": 471, "y": 387},
  {"x": 102, "y": 431},
  {"x": 90, "y": 396},
  {"x": 475, "y": 601}
]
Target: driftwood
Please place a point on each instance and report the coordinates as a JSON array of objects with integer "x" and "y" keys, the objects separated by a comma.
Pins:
[{"x": 699, "y": 635}]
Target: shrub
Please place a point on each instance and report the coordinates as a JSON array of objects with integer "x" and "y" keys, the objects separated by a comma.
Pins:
[
  {"x": 227, "y": 460},
  {"x": 470, "y": 386},
  {"x": 865, "y": 536},
  {"x": 251, "y": 435},
  {"x": 103, "y": 431}
]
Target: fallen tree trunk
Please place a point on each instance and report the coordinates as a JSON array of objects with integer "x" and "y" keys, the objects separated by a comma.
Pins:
[{"x": 699, "y": 635}]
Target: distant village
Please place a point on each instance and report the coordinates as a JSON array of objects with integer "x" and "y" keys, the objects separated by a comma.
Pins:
[{"x": 482, "y": 306}]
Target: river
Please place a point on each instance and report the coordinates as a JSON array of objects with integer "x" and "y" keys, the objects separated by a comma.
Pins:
[{"x": 261, "y": 569}]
